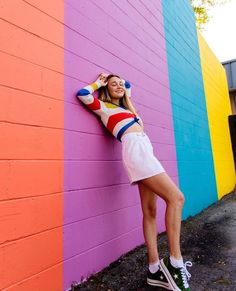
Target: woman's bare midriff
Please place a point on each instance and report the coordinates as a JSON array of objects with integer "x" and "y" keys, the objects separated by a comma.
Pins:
[{"x": 134, "y": 128}]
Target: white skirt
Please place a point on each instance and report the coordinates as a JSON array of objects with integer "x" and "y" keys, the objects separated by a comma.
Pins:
[{"x": 138, "y": 158}]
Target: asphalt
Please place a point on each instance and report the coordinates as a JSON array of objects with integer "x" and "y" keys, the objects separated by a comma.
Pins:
[{"x": 208, "y": 240}]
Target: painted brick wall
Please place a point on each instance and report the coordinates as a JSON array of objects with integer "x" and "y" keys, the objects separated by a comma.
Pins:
[
  {"x": 218, "y": 108},
  {"x": 67, "y": 209},
  {"x": 102, "y": 212},
  {"x": 31, "y": 141},
  {"x": 192, "y": 137}
]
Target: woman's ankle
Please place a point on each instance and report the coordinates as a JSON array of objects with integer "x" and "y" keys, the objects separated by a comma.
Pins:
[{"x": 176, "y": 262}]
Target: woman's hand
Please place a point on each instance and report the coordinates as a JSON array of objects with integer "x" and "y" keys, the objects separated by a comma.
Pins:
[{"x": 102, "y": 78}]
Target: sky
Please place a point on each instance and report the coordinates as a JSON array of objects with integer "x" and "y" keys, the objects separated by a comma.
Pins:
[{"x": 220, "y": 33}]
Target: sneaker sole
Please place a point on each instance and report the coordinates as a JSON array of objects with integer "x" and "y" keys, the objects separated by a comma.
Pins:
[
  {"x": 158, "y": 283},
  {"x": 168, "y": 276}
]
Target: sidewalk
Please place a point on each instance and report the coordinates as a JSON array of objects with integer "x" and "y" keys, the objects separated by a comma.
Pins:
[{"x": 208, "y": 240}]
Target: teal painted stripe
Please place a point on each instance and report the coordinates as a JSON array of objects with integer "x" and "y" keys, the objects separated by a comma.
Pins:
[{"x": 192, "y": 136}]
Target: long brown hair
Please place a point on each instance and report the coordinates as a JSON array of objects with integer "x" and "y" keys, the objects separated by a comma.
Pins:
[{"x": 125, "y": 102}]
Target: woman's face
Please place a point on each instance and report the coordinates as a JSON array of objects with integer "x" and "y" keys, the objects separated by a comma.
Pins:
[{"x": 116, "y": 87}]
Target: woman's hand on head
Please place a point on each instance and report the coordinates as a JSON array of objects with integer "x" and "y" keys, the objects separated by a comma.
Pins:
[{"x": 102, "y": 78}]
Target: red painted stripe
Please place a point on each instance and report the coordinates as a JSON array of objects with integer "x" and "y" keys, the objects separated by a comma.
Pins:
[
  {"x": 114, "y": 119},
  {"x": 95, "y": 105}
]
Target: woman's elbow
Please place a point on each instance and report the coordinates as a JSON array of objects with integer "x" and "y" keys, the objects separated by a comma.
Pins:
[{"x": 82, "y": 92}]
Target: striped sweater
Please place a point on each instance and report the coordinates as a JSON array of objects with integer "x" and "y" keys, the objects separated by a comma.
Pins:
[{"x": 116, "y": 119}]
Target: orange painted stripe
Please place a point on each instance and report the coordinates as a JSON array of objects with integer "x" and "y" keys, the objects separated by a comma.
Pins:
[
  {"x": 47, "y": 281},
  {"x": 31, "y": 133},
  {"x": 23, "y": 217},
  {"x": 32, "y": 19},
  {"x": 30, "y": 178},
  {"x": 29, "y": 77},
  {"x": 36, "y": 54},
  {"x": 27, "y": 108},
  {"x": 30, "y": 142},
  {"x": 27, "y": 257},
  {"x": 49, "y": 8}
]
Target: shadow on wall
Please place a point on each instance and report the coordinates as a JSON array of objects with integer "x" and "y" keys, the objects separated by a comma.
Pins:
[{"x": 232, "y": 127}]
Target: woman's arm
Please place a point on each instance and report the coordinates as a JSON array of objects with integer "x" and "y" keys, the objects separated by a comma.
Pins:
[
  {"x": 127, "y": 87},
  {"x": 85, "y": 94},
  {"x": 129, "y": 102}
]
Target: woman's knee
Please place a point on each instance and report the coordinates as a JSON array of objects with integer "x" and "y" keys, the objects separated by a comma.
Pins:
[{"x": 177, "y": 198}]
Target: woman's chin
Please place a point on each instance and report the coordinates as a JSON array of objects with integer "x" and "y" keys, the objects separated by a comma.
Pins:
[
  {"x": 118, "y": 96},
  {"x": 121, "y": 96}
]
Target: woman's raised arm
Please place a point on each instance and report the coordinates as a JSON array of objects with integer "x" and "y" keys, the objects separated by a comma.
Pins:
[
  {"x": 86, "y": 93},
  {"x": 127, "y": 87}
]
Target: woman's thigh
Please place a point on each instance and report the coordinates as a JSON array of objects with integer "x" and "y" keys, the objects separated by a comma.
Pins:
[{"x": 163, "y": 186}]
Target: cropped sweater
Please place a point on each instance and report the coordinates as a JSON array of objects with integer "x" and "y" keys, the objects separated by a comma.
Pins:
[{"x": 116, "y": 119}]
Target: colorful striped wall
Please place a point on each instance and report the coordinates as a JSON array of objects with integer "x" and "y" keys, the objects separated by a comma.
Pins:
[
  {"x": 216, "y": 94},
  {"x": 66, "y": 206},
  {"x": 192, "y": 136},
  {"x": 32, "y": 130},
  {"x": 102, "y": 212}
]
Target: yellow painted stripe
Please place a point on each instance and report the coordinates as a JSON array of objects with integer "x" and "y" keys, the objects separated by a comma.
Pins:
[{"x": 218, "y": 110}]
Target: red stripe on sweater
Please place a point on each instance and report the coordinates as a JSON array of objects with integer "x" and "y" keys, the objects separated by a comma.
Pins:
[
  {"x": 114, "y": 119},
  {"x": 95, "y": 105}
]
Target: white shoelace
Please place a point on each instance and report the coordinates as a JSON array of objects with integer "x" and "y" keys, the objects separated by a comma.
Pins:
[{"x": 185, "y": 273}]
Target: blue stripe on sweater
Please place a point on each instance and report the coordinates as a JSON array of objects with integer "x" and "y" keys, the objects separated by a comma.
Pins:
[
  {"x": 123, "y": 129},
  {"x": 83, "y": 92}
]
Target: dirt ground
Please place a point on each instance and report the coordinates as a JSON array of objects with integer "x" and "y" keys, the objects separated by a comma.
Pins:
[{"x": 208, "y": 240}]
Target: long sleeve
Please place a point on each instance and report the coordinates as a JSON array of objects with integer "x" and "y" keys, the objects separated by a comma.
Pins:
[
  {"x": 115, "y": 118},
  {"x": 85, "y": 95},
  {"x": 127, "y": 87},
  {"x": 128, "y": 92}
]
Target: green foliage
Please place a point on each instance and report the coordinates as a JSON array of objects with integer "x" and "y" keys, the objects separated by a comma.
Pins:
[{"x": 201, "y": 9}]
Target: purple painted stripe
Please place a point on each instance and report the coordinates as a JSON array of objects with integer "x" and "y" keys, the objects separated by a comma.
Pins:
[
  {"x": 90, "y": 262},
  {"x": 86, "y": 234},
  {"x": 102, "y": 215},
  {"x": 90, "y": 174},
  {"x": 83, "y": 204}
]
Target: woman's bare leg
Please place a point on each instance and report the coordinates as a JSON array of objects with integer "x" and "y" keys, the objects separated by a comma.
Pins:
[
  {"x": 148, "y": 203},
  {"x": 163, "y": 186}
]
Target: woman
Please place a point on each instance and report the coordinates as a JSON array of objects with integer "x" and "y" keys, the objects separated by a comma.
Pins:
[{"x": 120, "y": 117}]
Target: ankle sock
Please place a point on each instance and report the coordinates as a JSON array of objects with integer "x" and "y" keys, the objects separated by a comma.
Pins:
[
  {"x": 154, "y": 267},
  {"x": 176, "y": 263}
]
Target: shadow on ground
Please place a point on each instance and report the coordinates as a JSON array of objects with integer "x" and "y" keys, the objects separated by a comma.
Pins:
[{"x": 208, "y": 240}]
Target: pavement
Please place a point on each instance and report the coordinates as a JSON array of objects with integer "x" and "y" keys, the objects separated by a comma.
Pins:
[{"x": 208, "y": 240}]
